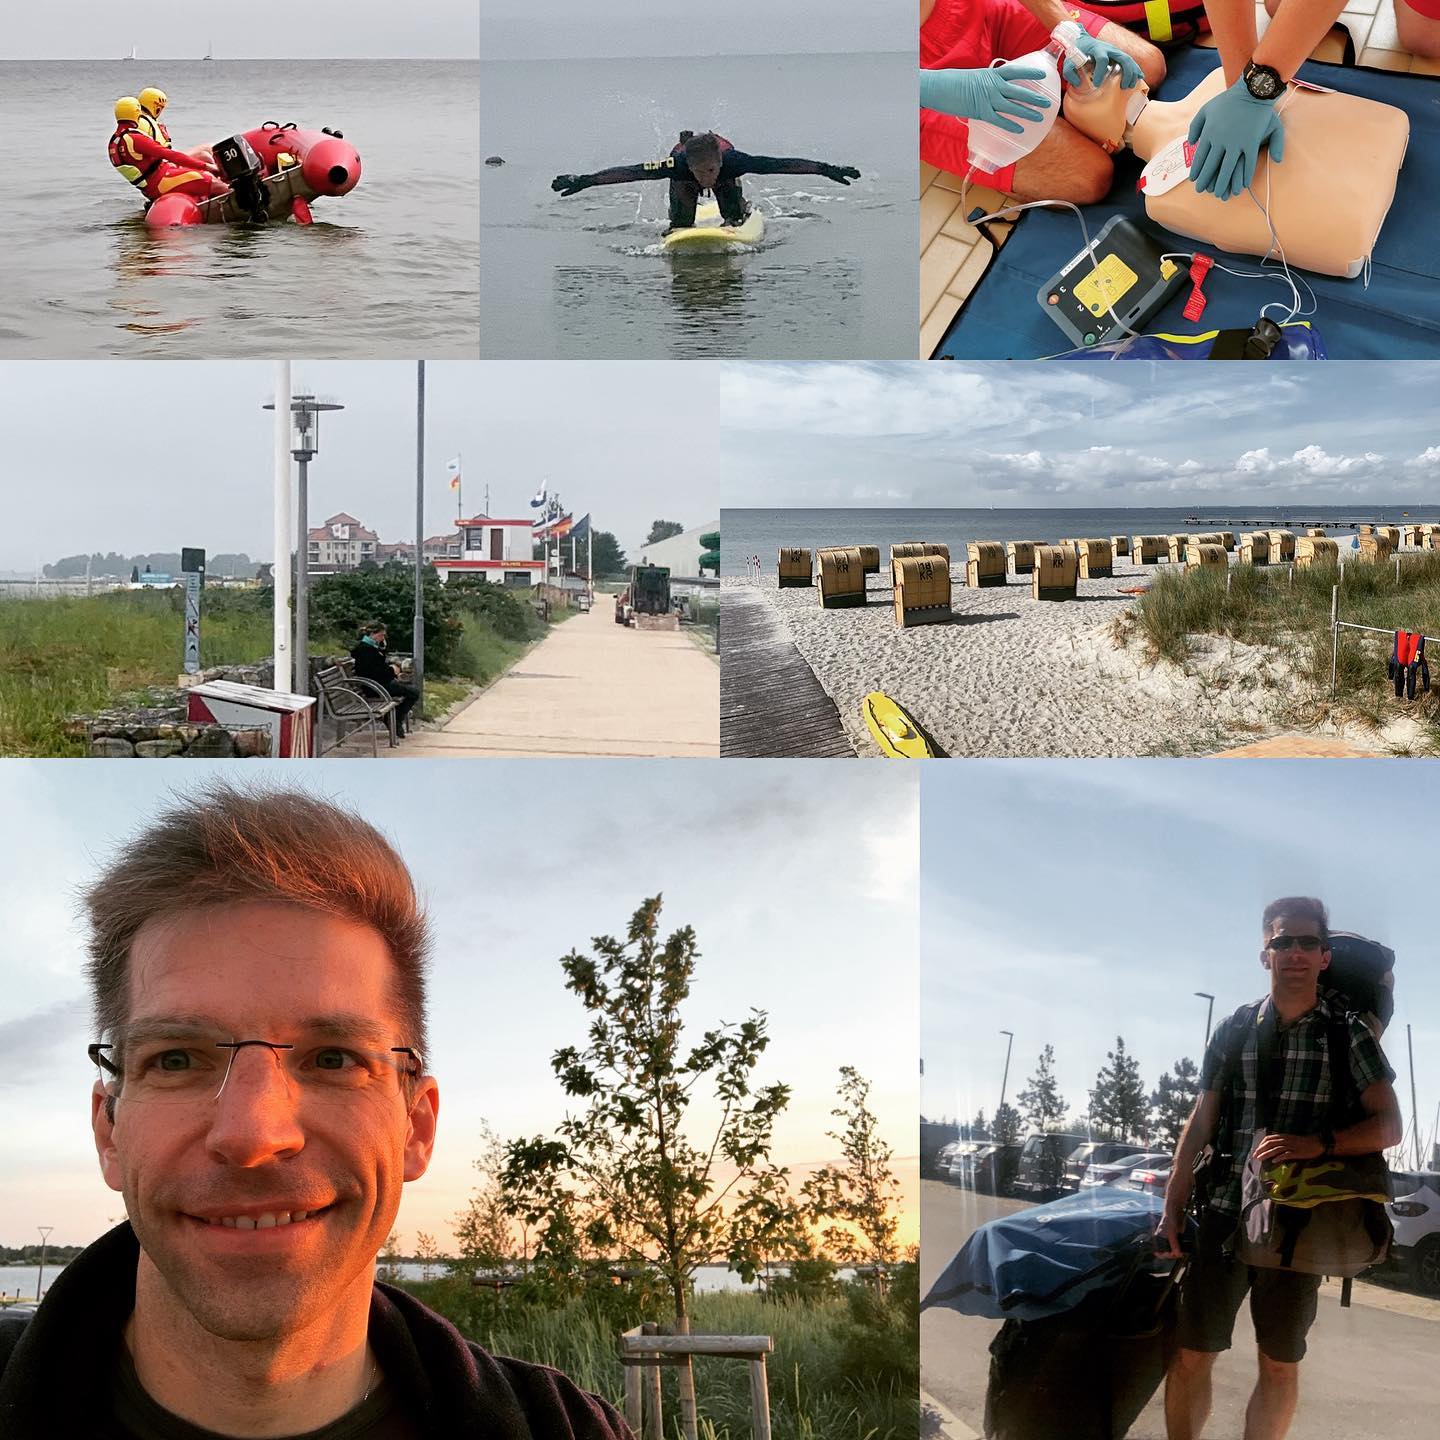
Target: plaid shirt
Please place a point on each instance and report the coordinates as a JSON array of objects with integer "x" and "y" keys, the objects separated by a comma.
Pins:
[{"x": 1299, "y": 1090}]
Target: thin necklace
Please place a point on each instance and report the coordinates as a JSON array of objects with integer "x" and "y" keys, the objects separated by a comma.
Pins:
[{"x": 374, "y": 1372}]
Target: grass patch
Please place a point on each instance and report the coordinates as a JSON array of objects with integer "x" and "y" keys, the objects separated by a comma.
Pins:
[
  {"x": 78, "y": 655},
  {"x": 1290, "y": 616},
  {"x": 58, "y": 657},
  {"x": 440, "y": 695},
  {"x": 839, "y": 1370}
]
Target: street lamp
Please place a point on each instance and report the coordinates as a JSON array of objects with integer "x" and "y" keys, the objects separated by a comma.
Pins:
[
  {"x": 305, "y": 412},
  {"x": 1209, "y": 1011},
  {"x": 44, "y": 1242},
  {"x": 1005, "y": 1078}
]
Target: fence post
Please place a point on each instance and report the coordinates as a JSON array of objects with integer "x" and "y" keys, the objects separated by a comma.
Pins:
[
  {"x": 759, "y": 1400},
  {"x": 1334, "y": 636},
  {"x": 1397, "y": 569}
]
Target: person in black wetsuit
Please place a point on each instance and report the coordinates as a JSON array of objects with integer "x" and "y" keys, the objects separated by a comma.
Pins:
[
  {"x": 371, "y": 664},
  {"x": 700, "y": 163}
]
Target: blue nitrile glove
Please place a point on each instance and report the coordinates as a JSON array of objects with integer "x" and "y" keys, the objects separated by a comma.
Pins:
[
  {"x": 1227, "y": 133},
  {"x": 1104, "y": 57},
  {"x": 987, "y": 95}
]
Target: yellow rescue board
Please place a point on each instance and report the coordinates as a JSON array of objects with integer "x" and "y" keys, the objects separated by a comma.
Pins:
[
  {"x": 709, "y": 234},
  {"x": 895, "y": 732}
]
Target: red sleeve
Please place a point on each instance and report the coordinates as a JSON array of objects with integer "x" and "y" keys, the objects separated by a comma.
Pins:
[
  {"x": 150, "y": 149},
  {"x": 944, "y": 142}
]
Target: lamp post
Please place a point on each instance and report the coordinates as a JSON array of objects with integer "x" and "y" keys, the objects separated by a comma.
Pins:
[
  {"x": 1209, "y": 1011},
  {"x": 1005, "y": 1078},
  {"x": 305, "y": 412},
  {"x": 44, "y": 1243}
]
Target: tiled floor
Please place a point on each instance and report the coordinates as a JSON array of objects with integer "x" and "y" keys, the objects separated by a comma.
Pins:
[{"x": 954, "y": 255}]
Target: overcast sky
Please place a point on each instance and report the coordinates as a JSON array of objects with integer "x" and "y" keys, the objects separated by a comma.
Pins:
[
  {"x": 1027, "y": 435},
  {"x": 730, "y": 847},
  {"x": 1090, "y": 900},
  {"x": 167, "y": 29},
  {"x": 519, "y": 29},
  {"x": 627, "y": 441}
]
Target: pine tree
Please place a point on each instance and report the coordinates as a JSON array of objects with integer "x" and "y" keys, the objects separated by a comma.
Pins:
[
  {"x": 1006, "y": 1125},
  {"x": 1173, "y": 1100},
  {"x": 1118, "y": 1109},
  {"x": 979, "y": 1130},
  {"x": 1041, "y": 1100}
]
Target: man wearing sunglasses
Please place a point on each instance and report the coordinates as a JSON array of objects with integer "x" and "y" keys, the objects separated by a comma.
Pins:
[
  {"x": 258, "y": 964},
  {"x": 1296, "y": 952}
]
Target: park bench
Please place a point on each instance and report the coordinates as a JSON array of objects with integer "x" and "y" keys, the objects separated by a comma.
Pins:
[{"x": 349, "y": 699}]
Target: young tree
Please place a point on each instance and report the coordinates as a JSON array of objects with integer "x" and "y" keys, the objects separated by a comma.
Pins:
[
  {"x": 607, "y": 556},
  {"x": 862, "y": 1193},
  {"x": 1118, "y": 1108},
  {"x": 663, "y": 530},
  {"x": 426, "y": 1252},
  {"x": 1006, "y": 1125},
  {"x": 484, "y": 1230},
  {"x": 1173, "y": 1099},
  {"x": 1041, "y": 1100},
  {"x": 645, "y": 1188},
  {"x": 979, "y": 1130}
]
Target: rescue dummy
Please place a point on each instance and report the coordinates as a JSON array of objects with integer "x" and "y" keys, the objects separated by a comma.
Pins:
[
  {"x": 152, "y": 167},
  {"x": 1327, "y": 198}
]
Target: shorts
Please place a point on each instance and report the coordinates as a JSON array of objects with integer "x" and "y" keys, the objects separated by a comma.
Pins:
[
  {"x": 968, "y": 35},
  {"x": 1282, "y": 1303}
]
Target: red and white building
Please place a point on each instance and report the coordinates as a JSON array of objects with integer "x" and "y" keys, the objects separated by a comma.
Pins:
[{"x": 499, "y": 551}]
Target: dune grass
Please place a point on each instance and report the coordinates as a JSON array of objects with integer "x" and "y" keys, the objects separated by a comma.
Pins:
[
  {"x": 77, "y": 655},
  {"x": 1289, "y": 613},
  {"x": 831, "y": 1376}
]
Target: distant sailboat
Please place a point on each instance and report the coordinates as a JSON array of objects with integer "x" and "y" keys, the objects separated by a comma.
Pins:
[
  {"x": 132, "y": 55},
  {"x": 209, "y": 51}
]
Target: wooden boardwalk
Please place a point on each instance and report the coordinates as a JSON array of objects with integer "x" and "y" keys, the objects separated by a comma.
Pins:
[{"x": 771, "y": 704}]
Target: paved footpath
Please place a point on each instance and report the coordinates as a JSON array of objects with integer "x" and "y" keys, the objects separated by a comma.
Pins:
[
  {"x": 591, "y": 687},
  {"x": 1369, "y": 1374}
]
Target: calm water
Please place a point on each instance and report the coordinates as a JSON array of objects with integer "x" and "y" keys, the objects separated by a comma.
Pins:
[
  {"x": 23, "y": 1278},
  {"x": 390, "y": 270},
  {"x": 834, "y": 277},
  {"x": 763, "y": 532}
]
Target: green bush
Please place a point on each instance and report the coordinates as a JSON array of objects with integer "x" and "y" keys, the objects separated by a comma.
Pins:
[
  {"x": 508, "y": 612},
  {"x": 346, "y": 602}
]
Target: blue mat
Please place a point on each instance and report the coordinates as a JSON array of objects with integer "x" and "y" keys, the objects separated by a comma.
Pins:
[{"x": 1398, "y": 317}]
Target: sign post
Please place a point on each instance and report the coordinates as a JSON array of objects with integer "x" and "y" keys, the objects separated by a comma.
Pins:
[{"x": 192, "y": 566}]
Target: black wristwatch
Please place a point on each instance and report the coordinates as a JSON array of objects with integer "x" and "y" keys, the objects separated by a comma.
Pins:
[{"x": 1263, "y": 81}]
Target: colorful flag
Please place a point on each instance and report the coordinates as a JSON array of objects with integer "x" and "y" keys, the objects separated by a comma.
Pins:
[
  {"x": 539, "y": 499},
  {"x": 581, "y": 528},
  {"x": 452, "y": 468}
]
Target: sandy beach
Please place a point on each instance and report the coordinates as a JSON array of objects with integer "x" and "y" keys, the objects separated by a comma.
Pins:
[{"x": 1013, "y": 676}]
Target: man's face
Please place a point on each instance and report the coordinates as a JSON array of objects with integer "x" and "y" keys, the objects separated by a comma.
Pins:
[
  {"x": 1294, "y": 953},
  {"x": 706, "y": 172},
  {"x": 264, "y": 1141}
]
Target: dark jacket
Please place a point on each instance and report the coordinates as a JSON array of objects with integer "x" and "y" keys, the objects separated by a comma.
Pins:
[
  {"x": 55, "y": 1366},
  {"x": 371, "y": 664}
]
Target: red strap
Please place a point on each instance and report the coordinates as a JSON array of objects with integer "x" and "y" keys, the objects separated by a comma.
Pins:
[{"x": 1199, "y": 269}]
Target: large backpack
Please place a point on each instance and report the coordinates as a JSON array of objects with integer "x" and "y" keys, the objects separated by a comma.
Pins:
[
  {"x": 1168, "y": 24},
  {"x": 1359, "y": 982}
]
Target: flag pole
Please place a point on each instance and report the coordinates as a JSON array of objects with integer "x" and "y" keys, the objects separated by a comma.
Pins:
[{"x": 460, "y": 486}]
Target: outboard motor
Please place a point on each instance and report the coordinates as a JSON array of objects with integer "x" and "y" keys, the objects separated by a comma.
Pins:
[{"x": 242, "y": 168}]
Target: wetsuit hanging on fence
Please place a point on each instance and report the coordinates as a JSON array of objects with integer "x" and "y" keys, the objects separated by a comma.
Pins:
[
  {"x": 1407, "y": 663},
  {"x": 705, "y": 162}
]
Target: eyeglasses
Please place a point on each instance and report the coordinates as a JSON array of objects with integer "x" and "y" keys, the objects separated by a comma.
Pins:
[
  {"x": 187, "y": 1068},
  {"x": 1282, "y": 943}
]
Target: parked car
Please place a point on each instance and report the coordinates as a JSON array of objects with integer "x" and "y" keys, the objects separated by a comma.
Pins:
[
  {"x": 1041, "y": 1171},
  {"x": 582, "y": 601},
  {"x": 956, "y": 1164},
  {"x": 991, "y": 1170},
  {"x": 1113, "y": 1171},
  {"x": 1415, "y": 1214},
  {"x": 1153, "y": 1177},
  {"x": 1093, "y": 1152}
]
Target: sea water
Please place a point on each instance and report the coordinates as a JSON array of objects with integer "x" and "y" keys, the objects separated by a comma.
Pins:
[
  {"x": 586, "y": 276},
  {"x": 764, "y": 532},
  {"x": 390, "y": 270}
]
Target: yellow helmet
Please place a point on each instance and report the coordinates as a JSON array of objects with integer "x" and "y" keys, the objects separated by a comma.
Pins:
[
  {"x": 127, "y": 108},
  {"x": 153, "y": 100}
]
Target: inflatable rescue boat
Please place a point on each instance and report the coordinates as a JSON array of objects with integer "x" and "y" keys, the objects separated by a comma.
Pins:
[{"x": 273, "y": 173}]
